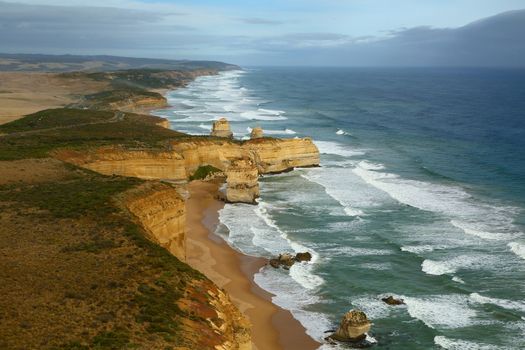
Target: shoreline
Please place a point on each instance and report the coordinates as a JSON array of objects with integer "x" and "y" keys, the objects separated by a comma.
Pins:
[{"x": 273, "y": 328}]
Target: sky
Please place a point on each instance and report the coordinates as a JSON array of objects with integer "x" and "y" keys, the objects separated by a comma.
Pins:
[{"x": 274, "y": 32}]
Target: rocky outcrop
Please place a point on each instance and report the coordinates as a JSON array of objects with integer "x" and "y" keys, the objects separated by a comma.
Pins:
[
  {"x": 393, "y": 301},
  {"x": 279, "y": 155},
  {"x": 161, "y": 211},
  {"x": 227, "y": 328},
  {"x": 353, "y": 328},
  {"x": 242, "y": 181},
  {"x": 256, "y": 133},
  {"x": 221, "y": 128},
  {"x": 287, "y": 260},
  {"x": 164, "y": 123}
]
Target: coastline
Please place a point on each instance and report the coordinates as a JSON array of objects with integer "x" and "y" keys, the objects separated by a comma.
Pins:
[{"x": 272, "y": 327}]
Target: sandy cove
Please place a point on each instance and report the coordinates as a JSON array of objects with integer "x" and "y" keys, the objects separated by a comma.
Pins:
[{"x": 273, "y": 328}]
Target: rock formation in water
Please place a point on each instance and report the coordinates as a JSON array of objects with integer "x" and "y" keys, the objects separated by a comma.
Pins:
[
  {"x": 287, "y": 260},
  {"x": 256, "y": 133},
  {"x": 221, "y": 128},
  {"x": 393, "y": 301},
  {"x": 353, "y": 327},
  {"x": 242, "y": 181}
]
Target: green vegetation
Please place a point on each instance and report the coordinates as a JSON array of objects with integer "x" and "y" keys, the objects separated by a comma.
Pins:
[
  {"x": 105, "y": 99},
  {"x": 160, "y": 279},
  {"x": 130, "y": 85},
  {"x": 82, "y": 195},
  {"x": 144, "y": 78},
  {"x": 126, "y": 129},
  {"x": 111, "y": 340},
  {"x": 56, "y": 118},
  {"x": 203, "y": 171}
]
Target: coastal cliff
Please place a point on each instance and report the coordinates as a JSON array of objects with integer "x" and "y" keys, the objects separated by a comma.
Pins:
[
  {"x": 279, "y": 155},
  {"x": 242, "y": 162},
  {"x": 161, "y": 211}
]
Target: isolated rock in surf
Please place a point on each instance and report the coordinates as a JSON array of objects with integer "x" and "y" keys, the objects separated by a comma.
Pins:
[
  {"x": 353, "y": 327},
  {"x": 393, "y": 301},
  {"x": 221, "y": 128},
  {"x": 257, "y": 133}
]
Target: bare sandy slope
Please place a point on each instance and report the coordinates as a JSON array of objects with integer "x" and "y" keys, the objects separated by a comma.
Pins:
[{"x": 23, "y": 93}]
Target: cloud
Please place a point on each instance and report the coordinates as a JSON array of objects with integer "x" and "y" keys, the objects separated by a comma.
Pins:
[
  {"x": 173, "y": 31},
  {"x": 494, "y": 41}
]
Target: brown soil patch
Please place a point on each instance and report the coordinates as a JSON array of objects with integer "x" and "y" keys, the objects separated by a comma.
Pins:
[
  {"x": 23, "y": 93},
  {"x": 31, "y": 171}
]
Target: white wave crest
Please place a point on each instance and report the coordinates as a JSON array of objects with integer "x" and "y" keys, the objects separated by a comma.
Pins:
[
  {"x": 328, "y": 147},
  {"x": 452, "y": 265},
  {"x": 473, "y": 217},
  {"x": 441, "y": 311},
  {"x": 504, "y": 303},
  {"x": 458, "y": 344},
  {"x": 517, "y": 248}
]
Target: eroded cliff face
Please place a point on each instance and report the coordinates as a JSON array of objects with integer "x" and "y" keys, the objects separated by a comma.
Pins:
[
  {"x": 242, "y": 162},
  {"x": 161, "y": 211},
  {"x": 139, "y": 104},
  {"x": 144, "y": 164},
  {"x": 228, "y": 328},
  {"x": 279, "y": 155}
]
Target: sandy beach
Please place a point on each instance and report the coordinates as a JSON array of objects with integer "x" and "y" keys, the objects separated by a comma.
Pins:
[{"x": 272, "y": 327}]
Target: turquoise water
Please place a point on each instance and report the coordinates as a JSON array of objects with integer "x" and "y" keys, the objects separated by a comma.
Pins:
[{"x": 421, "y": 195}]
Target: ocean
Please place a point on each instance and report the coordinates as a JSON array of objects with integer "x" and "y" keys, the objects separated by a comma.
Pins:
[{"x": 420, "y": 195}]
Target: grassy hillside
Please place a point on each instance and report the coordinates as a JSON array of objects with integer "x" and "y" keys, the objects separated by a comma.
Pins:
[
  {"x": 77, "y": 271},
  {"x": 71, "y": 63},
  {"x": 36, "y": 135}
]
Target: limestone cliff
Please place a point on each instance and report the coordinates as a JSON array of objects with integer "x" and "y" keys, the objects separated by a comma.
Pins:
[
  {"x": 241, "y": 180},
  {"x": 221, "y": 128},
  {"x": 161, "y": 211},
  {"x": 278, "y": 155},
  {"x": 256, "y": 133},
  {"x": 228, "y": 328},
  {"x": 241, "y": 162},
  {"x": 139, "y": 103},
  {"x": 144, "y": 164}
]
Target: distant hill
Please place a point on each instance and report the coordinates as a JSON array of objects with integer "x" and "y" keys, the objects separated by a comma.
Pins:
[{"x": 71, "y": 63}]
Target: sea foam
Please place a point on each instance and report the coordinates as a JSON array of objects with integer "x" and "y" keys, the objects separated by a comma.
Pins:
[
  {"x": 458, "y": 344},
  {"x": 504, "y": 303},
  {"x": 441, "y": 311},
  {"x": 473, "y": 217},
  {"x": 335, "y": 148},
  {"x": 517, "y": 248}
]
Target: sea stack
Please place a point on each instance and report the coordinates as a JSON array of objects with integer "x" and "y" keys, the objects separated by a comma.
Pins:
[
  {"x": 353, "y": 327},
  {"x": 221, "y": 128},
  {"x": 256, "y": 133}
]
